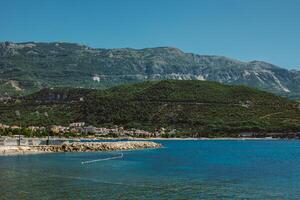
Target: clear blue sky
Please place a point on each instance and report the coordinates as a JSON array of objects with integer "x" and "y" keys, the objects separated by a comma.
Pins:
[{"x": 266, "y": 30}]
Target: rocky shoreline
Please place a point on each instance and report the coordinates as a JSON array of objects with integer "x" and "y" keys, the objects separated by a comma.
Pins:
[{"x": 79, "y": 147}]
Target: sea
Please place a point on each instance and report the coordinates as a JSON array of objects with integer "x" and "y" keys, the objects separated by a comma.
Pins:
[{"x": 182, "y": 169}]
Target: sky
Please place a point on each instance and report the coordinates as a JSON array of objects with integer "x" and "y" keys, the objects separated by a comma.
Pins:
[{"x": 267, "y": 30}]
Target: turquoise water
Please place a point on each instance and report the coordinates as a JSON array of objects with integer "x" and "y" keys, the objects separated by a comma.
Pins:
[{"x": 181, "y": 170}]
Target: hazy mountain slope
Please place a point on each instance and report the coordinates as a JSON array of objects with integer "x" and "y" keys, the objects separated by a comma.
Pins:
[
  {"x": 189, "y": 106},
  {"x": 32, "y": 66}
]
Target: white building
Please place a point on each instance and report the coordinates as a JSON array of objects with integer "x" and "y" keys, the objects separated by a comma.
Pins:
[{"x": 77, "y": 124}]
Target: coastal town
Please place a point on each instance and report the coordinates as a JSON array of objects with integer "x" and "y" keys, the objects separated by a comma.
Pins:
[
  {"x": 84, "y": 130},
  {"x": 81, "y": 129},
  {"x": 17, "y": 140}
]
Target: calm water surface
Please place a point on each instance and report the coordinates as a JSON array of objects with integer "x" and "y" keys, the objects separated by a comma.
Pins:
[{"x": 181, "y": 170}]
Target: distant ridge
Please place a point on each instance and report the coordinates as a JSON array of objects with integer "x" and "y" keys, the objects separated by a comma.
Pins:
[{"x": 32, "y": 66}]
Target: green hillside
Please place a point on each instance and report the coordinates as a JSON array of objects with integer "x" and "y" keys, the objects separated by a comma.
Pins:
[{"x": 189, "y": 106}]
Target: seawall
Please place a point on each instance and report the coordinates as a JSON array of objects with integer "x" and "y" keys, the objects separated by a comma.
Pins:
[{"x": 79, "y": 147}]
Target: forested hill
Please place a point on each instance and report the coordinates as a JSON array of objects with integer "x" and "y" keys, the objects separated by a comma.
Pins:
[{"x": 189, "y": 106}]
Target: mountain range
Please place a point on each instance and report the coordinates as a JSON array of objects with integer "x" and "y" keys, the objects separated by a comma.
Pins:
[{"x": 30, "y": 66}]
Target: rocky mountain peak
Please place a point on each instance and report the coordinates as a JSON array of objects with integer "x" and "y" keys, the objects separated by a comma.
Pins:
[{"x": 70, "y": 64}]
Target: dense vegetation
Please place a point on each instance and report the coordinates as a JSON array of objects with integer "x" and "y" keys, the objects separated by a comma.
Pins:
[{"x": 191, "y": 107}]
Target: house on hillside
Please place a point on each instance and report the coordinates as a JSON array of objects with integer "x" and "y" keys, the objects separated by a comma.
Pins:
[
  {"x": 77, "y": 124},
  {"x": 58, "y": 129},
  {"x": 247, "y": 134},
  {"x": 102, "y": 130},
  {"x": 15, "y": 127},
  {"x": 36, "y": 128},
  {"x": 89, "y": 129},
  {"x": 3, "y": 126}
]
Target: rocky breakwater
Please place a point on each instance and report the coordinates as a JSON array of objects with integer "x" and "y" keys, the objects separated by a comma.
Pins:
[
  {"x": 17, "y": 150},
  {"x": 97, "y": 146}
]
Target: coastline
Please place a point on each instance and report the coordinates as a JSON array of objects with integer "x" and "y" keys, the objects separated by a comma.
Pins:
[
  {"x": 78, "y": 147},
  {"x": 224, "y": 138},
  {"x": 87, "y": 145},
  {"x": 173, "y": 138},
  {"x": 18, "y": 150},
  {"x": 189, "y": 138}
]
